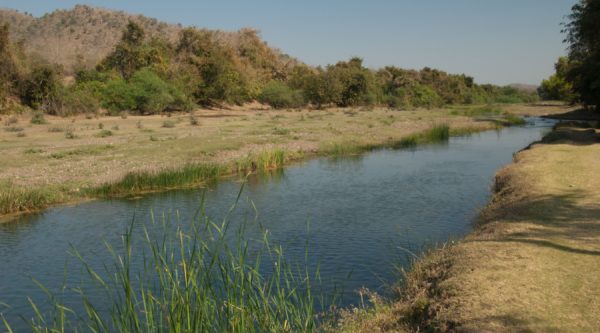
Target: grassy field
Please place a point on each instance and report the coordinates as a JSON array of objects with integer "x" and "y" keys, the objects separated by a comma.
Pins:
[
  {"x": 66, "y": 159},
  {"x": 531, "y": 265}
]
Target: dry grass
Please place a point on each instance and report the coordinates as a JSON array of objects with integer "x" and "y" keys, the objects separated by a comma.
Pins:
[
  {"x": 141, "y": 144},
  {"x": 532, "y": 264}
]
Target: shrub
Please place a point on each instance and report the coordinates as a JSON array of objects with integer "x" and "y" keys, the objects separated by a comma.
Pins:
[
  {"x": 38, "y": 118},
  {"x": 69, "y": 134},
  {"x": 168, "y": 124},
  {"x": 146, "y": 93},
  {"x": 104, "y": 134},
  {"x": 194, "y": 120},
  {"x": 13, "y": 129},
  {"x": 279, "y": 95},
  {"x": 56, "y": 129}
]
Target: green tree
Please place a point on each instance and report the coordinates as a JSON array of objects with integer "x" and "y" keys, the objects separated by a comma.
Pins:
[
  {"x": 41, "y": 89},
  {"x": 132, "y": 53},
  {"x": 583, "y": 36},
  {"x": 356, "y": 82},
  {"x": 323, "y": 88},
  {"x": 557, "y": 87},
  {"x": 208, "y": 70}
]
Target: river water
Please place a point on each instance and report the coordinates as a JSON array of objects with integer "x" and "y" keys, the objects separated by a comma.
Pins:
[{"x": 362, "y": 216}]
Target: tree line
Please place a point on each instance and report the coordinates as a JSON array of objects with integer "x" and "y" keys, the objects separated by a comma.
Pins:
[
  {"x": 150, "y": 75},
  {"x": 577, "y": 76}
]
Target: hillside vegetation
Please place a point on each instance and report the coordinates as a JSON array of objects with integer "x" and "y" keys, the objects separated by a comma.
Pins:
[
  {"x": 85, "y": 35},
  {"x": 87, "y": 59}
]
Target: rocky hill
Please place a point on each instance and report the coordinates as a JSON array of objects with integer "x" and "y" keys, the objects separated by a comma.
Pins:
[{"x": 84, "y": 35}]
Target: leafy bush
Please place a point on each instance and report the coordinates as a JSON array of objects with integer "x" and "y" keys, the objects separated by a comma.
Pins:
[
  {"x": 424, "y": 96},
  {"x": 146, "y": 93},
  {"x": 279, "y": 95}
]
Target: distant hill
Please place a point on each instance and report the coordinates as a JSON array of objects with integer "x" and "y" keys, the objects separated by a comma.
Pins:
[{"x": 84, "y": 35}]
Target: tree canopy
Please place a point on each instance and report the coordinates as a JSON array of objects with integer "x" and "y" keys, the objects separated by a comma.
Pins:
[{"x": 583, "y": 37}]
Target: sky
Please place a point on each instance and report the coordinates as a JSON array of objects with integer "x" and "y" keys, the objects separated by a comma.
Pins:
[{"x": 495, "y": 41}]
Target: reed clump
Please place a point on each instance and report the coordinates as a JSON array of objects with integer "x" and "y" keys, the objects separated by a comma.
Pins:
[
  {"x": 260, "y": 162},
  {"x": 435, "y": 134},
  {"x": 18, "y": 199},
  {"x": 198, "y": 276},
  {"x": 348, "y": 148},
  {"x": 148, "y": 181}
]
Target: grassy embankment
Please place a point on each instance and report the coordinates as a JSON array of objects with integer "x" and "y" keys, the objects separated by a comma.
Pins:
[
  {"x": 531, "y": 265},
  {"x": 68, "y": 159}
]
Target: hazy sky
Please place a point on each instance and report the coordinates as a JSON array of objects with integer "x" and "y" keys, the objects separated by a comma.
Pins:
[{"x": 501, "y": 41}]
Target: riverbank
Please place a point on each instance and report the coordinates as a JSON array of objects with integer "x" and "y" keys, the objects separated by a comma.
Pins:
[
  {"x": 532, "y": 264},
  {"x": 71, "y": 159}
]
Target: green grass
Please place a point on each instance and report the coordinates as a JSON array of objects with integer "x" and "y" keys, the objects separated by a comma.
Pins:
[
  {"x": 435, "y": 134},
  {"x": 145, "y": 181},
  {"x": 464, "y": 131},
  {"x": 338, "y": 149},
  {"x": 495, "y": 114},
  {"x": 263, "y": 161},
  {"x": 192, "y": 277},
  {"x": 19, "y": 199},
  {"x": 511, "y": 119}
]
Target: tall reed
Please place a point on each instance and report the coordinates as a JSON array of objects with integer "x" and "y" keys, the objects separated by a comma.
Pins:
[
  {"x": 193, "y": 278},
  {"x": 435, "y": 134},
  {"x": 19, "y": 199},
  {"x": 145, "y": 181},
  {"x": 261, "y": 162}
]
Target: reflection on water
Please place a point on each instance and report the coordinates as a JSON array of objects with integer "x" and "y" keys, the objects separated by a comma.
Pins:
[{"x": 358, "y": 214}]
